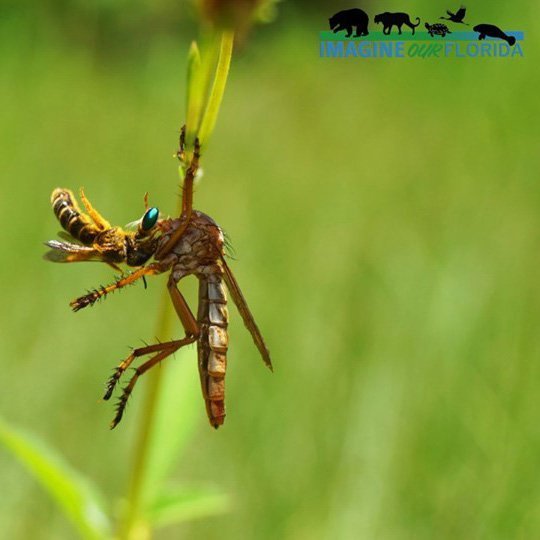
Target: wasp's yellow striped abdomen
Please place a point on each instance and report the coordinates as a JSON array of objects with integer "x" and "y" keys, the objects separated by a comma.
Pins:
[{"x": 79, "y": 225}]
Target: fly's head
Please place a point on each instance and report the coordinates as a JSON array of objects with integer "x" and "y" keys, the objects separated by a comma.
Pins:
[{"x": 141, "y": 245}]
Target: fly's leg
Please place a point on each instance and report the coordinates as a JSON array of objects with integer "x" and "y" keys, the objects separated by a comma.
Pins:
[
  {"x": 188, "y": 322},
  {"x": 163, "y": 349},
  {"x": 168, "y": 349},
  {"x": 136, "y": 353},
  {"x": 191, "y": 173},
  {"x": 96, "y": 294},
  {"x": 180, "y": 153},
  {"x": 187, "y": 199}
]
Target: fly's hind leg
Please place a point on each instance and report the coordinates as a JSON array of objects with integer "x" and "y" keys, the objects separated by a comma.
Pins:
[
  {"x": 137, "y": 353},
  {"x": 163, "y": 350},
  {"x": 166, "y": 349}
]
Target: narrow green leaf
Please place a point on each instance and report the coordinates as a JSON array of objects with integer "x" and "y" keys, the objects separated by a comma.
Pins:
[
  {"x": 185, "y": 504},
  {"x": 74, "y": 494},
  {"x": 218, "y": 87},
  {"x": 195, "y": 95},
  {"x": 201, "y": 68}
]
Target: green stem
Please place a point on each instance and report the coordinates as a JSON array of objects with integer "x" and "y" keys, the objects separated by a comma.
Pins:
[{"x": 133, "y": 527}]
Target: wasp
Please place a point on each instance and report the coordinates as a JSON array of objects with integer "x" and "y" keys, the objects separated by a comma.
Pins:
[{"x": 192, "y": 244}]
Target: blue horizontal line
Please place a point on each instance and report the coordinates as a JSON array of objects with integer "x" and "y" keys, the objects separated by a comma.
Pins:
[{"x": 327, "y": 35}]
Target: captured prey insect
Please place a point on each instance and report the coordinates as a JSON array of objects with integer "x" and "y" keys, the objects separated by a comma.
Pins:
[{"x": 192, "y": 244}]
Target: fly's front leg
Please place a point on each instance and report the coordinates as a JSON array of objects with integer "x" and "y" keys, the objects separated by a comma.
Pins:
[
  {"x": 181, "y": 152},
  {"x": 163, "y": 349},
  {"x": 93, "y": 296},
  {"x": 187, "y": 200}
]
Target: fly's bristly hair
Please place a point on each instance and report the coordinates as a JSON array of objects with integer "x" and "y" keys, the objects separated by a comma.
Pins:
[
  {"x": 95, "y": 295},
  {"x": 230, "y": 252}
]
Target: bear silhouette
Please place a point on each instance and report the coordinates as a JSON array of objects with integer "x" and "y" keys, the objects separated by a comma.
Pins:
[{"x": 347, "y": 19}]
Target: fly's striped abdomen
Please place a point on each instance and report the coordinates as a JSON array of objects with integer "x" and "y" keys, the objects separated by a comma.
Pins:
[
  {"x": 72, "y": 220},
  {"x": 213, "y": 342}
]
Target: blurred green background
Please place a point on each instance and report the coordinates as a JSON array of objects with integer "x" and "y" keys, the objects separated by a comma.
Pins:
[{"x": 385, "y": 216}]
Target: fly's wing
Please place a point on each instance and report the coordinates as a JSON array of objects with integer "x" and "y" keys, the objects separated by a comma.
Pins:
[
  {"x": 69, "y": 252},
  {"x": 243, "y": 308}
]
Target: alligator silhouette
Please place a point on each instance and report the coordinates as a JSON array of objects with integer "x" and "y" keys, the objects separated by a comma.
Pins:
[
  {"x": 493, "y": 31},
  {"x": 395, "y": 19},
  {"x": 346, "y": 19}
]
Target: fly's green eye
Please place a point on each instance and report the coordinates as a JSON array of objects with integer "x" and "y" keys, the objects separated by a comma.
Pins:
[{"x": 150, "y": 218}]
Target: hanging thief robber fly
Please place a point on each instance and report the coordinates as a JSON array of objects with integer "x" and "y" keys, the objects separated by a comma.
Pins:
[{"x": 191, "y": 244}]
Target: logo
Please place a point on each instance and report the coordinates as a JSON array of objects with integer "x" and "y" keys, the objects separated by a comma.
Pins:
[{"x": 394, "y": 35}]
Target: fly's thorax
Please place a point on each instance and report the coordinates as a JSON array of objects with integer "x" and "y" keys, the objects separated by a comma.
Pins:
[{"x": 200, "y": 245}]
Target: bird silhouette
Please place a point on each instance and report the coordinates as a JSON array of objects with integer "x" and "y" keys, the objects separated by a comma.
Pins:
[{"x": 456, "y": 17}]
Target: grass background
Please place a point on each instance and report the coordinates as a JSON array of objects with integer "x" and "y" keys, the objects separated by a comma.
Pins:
[{"x": 385, "y": 217}]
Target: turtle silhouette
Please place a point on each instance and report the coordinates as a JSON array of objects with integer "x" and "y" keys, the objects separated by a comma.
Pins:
[
  {"x": 456, "y": 17},
  {"x": 493, "y": 31},
  {"x": 349, "y": 18},
  {"x": 437, "y": 29}
]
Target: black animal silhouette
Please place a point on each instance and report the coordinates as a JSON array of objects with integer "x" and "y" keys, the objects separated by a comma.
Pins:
[
  {"x": 395, "y": 19},
  {"x": 346, "y": 19},
  {"x": 437, "y": 29},
  {"x": 493, "y": 31},
  {"x": 456, "y": 17}
]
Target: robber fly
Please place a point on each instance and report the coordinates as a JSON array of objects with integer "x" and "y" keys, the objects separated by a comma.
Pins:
[{"x": 192, "y": 244}]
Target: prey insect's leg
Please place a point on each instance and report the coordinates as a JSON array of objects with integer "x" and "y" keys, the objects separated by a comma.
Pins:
[
  {"x": 96, "y": 217},
  {"x": 167, "y": 349},
  {"x": 95, "y": 295}
]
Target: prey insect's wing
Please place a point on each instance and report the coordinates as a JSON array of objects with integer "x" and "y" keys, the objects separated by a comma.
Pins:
[
  {"x": 67, "y": 237},
  {"x": 68, "y": 252},
  {"x": 243, "y": 308}
]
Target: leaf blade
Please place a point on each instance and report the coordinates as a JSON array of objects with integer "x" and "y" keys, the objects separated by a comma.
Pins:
[
  {"x": 186, "y": 504},
  {"x": 74, "y": 494}
]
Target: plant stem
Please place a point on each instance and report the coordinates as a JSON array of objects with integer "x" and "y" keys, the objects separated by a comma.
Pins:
[{"x": 132, "y": 527}]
